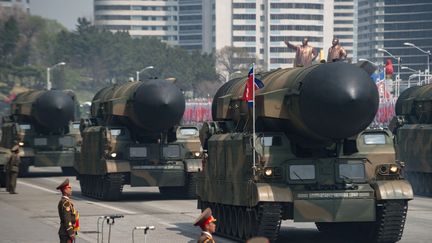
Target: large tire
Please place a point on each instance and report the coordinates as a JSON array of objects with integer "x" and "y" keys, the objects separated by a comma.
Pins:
[{"x": 190, "y": 189}]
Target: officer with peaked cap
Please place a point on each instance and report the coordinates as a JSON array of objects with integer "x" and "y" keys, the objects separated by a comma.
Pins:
[
  {"x": 206, "y": 222},
  {"x": 69, "y": 217},
  {"x": 12, "y": 169}
]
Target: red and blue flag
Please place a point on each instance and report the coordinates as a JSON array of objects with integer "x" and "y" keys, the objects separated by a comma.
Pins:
[{"x": 251, "y": 82}]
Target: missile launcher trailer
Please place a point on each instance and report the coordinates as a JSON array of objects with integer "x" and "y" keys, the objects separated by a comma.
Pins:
[
  {"x": 413, "y": 132},
  {"x": 41, "y": 122},
  {"x": 315, "y": 159},
  {"x": 133, "y": 138}
]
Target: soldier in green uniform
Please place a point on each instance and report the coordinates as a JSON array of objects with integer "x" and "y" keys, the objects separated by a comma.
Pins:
[
  {"x": 206, "y": 222},
  {"x": 69, "y": 217},
  {"x": 12, "y": 169}
]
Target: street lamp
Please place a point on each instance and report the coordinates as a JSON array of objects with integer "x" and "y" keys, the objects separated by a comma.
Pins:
[
  {"x": 48, "y": 83},
  {"x": 367, "y": 60},
  {"x": 142, "y": 70},
  {"x": 408, "y": 68},
  {"x": 428, "y": 54}
]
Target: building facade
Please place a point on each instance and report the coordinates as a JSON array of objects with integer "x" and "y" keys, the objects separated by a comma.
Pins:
[
  {"x": 23, "y": 4},
  {"x": 260, "y": 27},
  {"x": 157, "y": 18},
  {"x": 344, "y": 17},
  {"x": 388, "y": 24}
]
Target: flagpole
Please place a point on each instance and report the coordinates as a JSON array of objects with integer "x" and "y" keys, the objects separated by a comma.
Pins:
[{"x": 253, "y": 118}]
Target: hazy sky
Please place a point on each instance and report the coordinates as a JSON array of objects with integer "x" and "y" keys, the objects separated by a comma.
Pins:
[{"x": 64, "y": 11}]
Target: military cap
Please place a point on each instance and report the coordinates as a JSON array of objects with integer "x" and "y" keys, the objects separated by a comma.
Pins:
[
  {"x": 15, "y": 148},
  {"x": 204, "y": 219},
  {"x": 258, "y": 240},
  {"x": 64, "y": 183}
]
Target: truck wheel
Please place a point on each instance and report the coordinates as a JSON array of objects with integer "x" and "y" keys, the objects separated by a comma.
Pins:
[{"x": 24, "y": 168}]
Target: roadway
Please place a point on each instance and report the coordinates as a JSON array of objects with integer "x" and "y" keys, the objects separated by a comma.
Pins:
[{"x": 31, "y": 216}]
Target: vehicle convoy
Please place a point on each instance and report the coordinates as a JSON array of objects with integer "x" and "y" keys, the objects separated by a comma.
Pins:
[
  {"x": 133, "y": 137},
  {"x": 412, "y": 127},
  {"x": 41, "y": 123},
  {"x": 315, "y": 159}
]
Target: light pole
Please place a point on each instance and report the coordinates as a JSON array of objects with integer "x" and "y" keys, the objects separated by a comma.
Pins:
[
  {"x": 48, "y": 83},
  {"x": 428, "y": 54},
  {"x": 142, "y": 70},
  {"x": 413, "y": 70}
]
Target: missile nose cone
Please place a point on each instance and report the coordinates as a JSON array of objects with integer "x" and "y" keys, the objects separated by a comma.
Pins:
[
  {"x": 338, "y": 100},
  {"x": 54, "y": 109},
  {"x": 158, "y": 105}
]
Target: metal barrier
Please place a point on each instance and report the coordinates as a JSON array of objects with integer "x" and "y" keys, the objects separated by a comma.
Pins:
[
  {"x": 145, "y": 229},
  {"x": 110, "y": 220}
]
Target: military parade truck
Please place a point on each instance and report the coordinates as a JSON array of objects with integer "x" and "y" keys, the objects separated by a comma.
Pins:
[
  {"x": 412, "y": 127},
  {"x": 41, "y": 123},
  {"x": 315, "y": 161},
  {"x": 133, "y": 138}
]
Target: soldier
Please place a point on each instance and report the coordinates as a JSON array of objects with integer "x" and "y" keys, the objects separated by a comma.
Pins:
[
  {"x": 69, "y": 217},
  {"x": 206, "y": 222},
  {"x": 305, "y": 54},
  {"x": 12, "y": 169},
  {"x": 336, "y": 52}
]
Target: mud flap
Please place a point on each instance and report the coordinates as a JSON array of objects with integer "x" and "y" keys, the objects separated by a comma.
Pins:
[{"x": 394, "y": 189}]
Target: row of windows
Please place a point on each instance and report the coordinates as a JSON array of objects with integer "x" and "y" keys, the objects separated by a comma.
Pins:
[
  {"x": 190, "y": 27},
  {"x": 190, "y": 8},
  {"x": 408, "y": 34},
  {"x": 297, "y": 5},
  {"x": 343, "y": 29},
  {"x": 137, "y": 27},
  {"x": 407, "y": 17},
  {"x": 134, "y": 7},
  {"x": 408, "y": 26},
  {"x": 244, "y": 27},
  {"x": 244, "y": 5},
  {"x": 190, "y": 37},
  {"x": 343, "y": 22},
  {"x": 297, "y": 16},
  {"x": 343, "y": 14},
  {"x": 408, "y": 8},
  {"x": 190, "y": 17},
  {"x": 134, "y": 17},
  {"x": 295, "y": 38},
  {"x": 296, "y": 27},
  {"x": 281, "y": 60},
  {"x": 343, "y": 7},
  {"x": 244, "y": 16},
  {"x": 244, "y": 38}
]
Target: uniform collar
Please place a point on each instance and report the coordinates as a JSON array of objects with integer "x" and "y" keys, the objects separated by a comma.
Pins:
[
  {"x": 66, "y": 197},
  {"x": 208, "y": 234}
]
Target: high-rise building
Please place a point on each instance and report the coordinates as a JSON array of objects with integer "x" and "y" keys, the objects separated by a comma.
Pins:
[
  {"x": 157, "y": 18},
  {"x": 24, "y": 4},
  {"x": 344, "y": 18},
  {"x": 388, "y": 24},
  {"x": 262, "y": 26},
  {"x": 259, "y": 27}
]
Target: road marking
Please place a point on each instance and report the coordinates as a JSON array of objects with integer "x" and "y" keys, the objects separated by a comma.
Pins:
[
  {"x": 87, "y": 201},
  {"x": 112, "y": 207},
  {"x": 38, "y": 187}
]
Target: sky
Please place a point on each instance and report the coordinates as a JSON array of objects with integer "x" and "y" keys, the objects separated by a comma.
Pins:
[{"x": 65, "y": 12}]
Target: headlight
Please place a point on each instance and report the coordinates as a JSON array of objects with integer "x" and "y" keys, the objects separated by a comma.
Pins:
[
  {"x": 197, "y": 154},
  {"x": 394, "y": 169},
  {"x": 268, "y": 172},
  {"x": 113, "y": 155},
  {"x": 21, "y": 144}
]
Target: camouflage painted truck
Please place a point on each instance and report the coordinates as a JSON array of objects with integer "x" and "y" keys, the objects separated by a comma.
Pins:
[
  {"x": 133, "y": 138},
  {"x": 412, "y": 127},
  {"x": 315, "y": 159},
  {"x": 41, "y": 123}
]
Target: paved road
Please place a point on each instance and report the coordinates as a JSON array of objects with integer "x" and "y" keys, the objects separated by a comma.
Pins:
[{"x": 31, "y": 216}]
